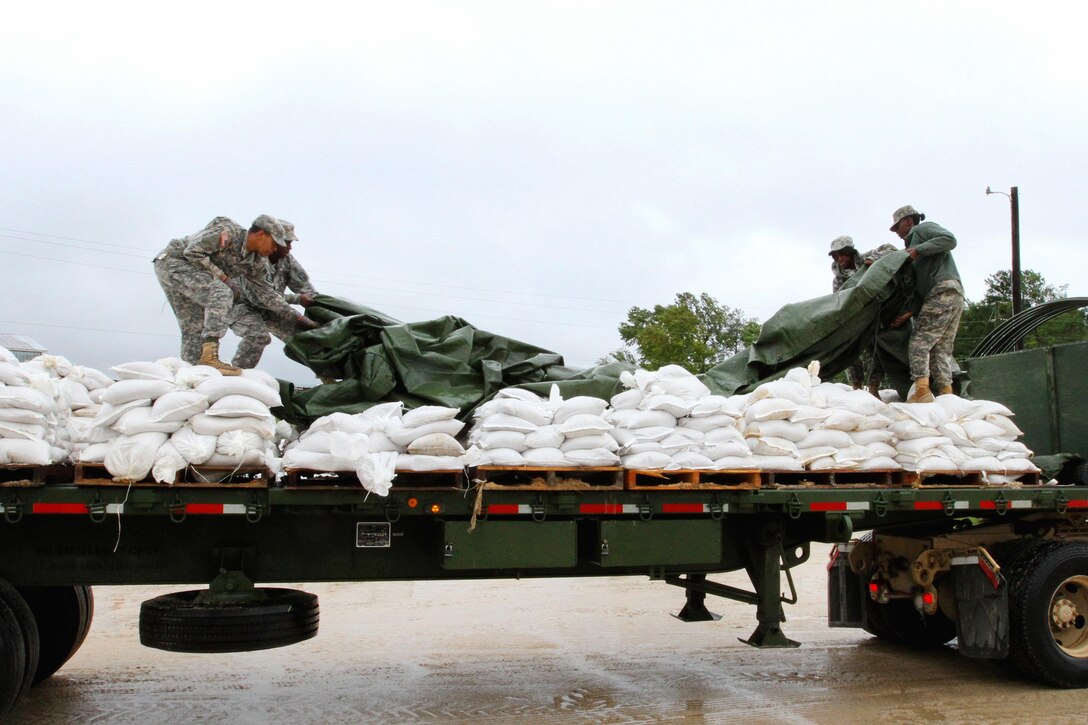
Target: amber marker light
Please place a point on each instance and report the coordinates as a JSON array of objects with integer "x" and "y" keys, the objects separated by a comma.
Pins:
[
  {"x": 413, "y": 502},
  {"x": 436, "y": 509}
]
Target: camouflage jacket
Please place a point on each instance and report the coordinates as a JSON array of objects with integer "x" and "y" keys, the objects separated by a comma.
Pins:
[
  {"x": 861, "y": 261},
  {"x": 220, "y": 249},
  {"x": 934, "y": 264},
  {"x": 285, "y": 274}
]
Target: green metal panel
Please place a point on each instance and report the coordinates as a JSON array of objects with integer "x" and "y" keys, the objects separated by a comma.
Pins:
[
  {"x": 510, "y": 545},
  {"x": 658, "y": 543},
  {"x": 1046, "y": 388}
]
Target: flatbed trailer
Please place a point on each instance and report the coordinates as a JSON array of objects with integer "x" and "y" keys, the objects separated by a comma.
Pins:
[{"x": 1003, "y": 568}]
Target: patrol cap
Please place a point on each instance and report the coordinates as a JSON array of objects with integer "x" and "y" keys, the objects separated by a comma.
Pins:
[
  {"x": 903, "y": 212},
  {"x": 840, "y": 243},
  {"x": 288, "y": 230},
  {"x": 271, "y": 225}
]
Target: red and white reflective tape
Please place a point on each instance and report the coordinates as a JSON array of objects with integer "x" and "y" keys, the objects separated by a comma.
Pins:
[
  {"x": 119, "y": 508},
  {"x": 508, "y": 509},
  {"x": 691, "y": 508},
  {"x": 609, "y": 508},
  {"x": 215, "y": 508},
  {"x": 1018, "y": 504},
  {"x": 839, "y": 506}
]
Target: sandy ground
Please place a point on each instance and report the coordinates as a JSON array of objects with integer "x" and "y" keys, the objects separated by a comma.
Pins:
[{"x": 599, "y": 650}]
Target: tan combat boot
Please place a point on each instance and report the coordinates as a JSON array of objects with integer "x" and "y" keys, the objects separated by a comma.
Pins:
[
  {"x": 945, "y": 389},
  {"x": 209, "y": 355},
  {"x": 921, "y": 392}
]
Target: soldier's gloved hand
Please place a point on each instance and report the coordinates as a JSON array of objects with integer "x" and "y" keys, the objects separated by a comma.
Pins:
[
  {"x": 305, "y": 299},
  {"x": 305, "y": 323},
  {"x": 234, "y": 288}
]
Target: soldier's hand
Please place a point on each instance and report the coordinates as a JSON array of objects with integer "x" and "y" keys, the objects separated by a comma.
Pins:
[
  {"x": 234, "y": 288},
  {"x": 305, "y": 299},
  {"x": 901, "y": 320},
  {"x": 305, "y": 323}
]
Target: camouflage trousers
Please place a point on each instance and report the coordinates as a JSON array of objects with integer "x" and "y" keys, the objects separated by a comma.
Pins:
[
  {"x": 934, "y": 334},
  {"x": 855, "y": 374},
  {"x": 201, "y": 303},
  {"x": 253, "y": 325}
]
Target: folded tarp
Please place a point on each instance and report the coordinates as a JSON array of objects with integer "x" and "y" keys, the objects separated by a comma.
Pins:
[{"x": 447, "y": 361}]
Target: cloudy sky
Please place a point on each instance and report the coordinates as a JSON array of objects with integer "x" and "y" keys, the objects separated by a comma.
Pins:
[{"x": 534, "y": 167}]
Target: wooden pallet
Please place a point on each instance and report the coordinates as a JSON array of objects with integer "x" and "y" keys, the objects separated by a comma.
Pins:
[
  {"x": 17, "y": 475},
  {"x": 95, "y": 474},
  {"x": 658, "y": 480},
  {"x": 962, "y": 478},
  {"x": 310, "y": 479},
  {"x": 570, "y": 478},
  {"x": 809, "y": 479}
]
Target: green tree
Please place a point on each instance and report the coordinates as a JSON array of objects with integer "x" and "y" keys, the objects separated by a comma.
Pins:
[
  {"x": 696, "y": 332},
  {"x": 981, "y": 318}
]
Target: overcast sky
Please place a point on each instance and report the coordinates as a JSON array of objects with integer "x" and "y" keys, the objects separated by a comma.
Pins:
[{"x": 536, "y": 168}]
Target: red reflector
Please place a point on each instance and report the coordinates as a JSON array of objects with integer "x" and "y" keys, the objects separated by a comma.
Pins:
[
  {"x": 60, "y": 508},
  {"x": 874, "y": 587},
  {"x": 1078, "y": 503},
  {"x": 828, "y": 506},
  {"x": 502, "y": 508},
  {"x": 928, "y": 598},
  {"x": 987, "y": 504},
  {"x": 681, "y": 508},
  {"x": 601, "y": 508},
  {"x": 928, "y": 506},
  {"x": 204, "y": 508}
]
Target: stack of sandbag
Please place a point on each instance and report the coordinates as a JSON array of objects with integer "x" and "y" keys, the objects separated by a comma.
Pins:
[
  {"x": 33, "y": 417},
  {"x": 161, "y": 417},
  {"x": 519, "y": 428}
]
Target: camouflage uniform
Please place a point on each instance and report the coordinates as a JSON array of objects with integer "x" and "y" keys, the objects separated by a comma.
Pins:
[
  {"x": 855, "y": 374},
  {"x": 189, "y": 270},
  {"x": 937, "y": 305},
  {"x": 253, "y": 324}
]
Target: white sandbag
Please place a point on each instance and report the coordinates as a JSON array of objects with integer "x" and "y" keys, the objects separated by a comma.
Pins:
[
  {"x": 822, "y": 437},
  {"x": 682, "y": 439},
  {"x": 647, "y": 447},
  {"x": 138, "y": 420},
  {"x": 810, "y": 415},
  {"x": 313, "y": 441},
  {"x": 26, "y": 399},
  {"x": 536, "y": 412},
  {"x": 978, "y": 429},
  {"x": 217, "y": 387},
  {"x": 708, "y": 423},
  {"x": 881, "y": 450},
  {"x": 124, "y": 391},
  {"x": 860, "y": 401},
  {"x": 737, "y": 463},
  {"x": 130, "y": 458},
  {"x": 931, "y": 415},
  {"x": 405, "y": 436},
  {"x": 26, "y": 452},
  {"x": 249, "y": 458},
  {"x": 776, "y": 429},
  {"x": 908, "y": 429},
  {"x": 436, "y": 444},
  {"x": 934, "y": 463},
  {"x": 642, "y": 435},
  {"x": 919, "y": 447},
  {"x": 583, "y": 424},
  {"x": 649, "y": 461},
  {"x": 178, "y": 405},
  {"x": 1019, "y": 465},
  {"x": 880, "y": 463},
  {"x": 770, "y": 446},
  {"x": 191, "y": 377},
  {"x": 715, "y": 405},
  {"x": 235, "y": 443},
  {"x": 501, "y": 457},
  {"x": 377, "y": 471},
  {"x": 686, "y": 387},
  {"x": 719, "y": 436},
  {"x": 776, "y": 463},
  {"x": 140, "y": 370},
  {"x": 689, "y": 461},
  {"x": 993, "y": 444},
  {"x": 956, "y": 433},
  {"x": 770, "y": 409},
  {"x": 24, "y": 431},
  {"x": 632, "y": 419},
  {"x": 544, "y": 457},
  {"x": 989, "y": 407},
  {"x": 238, "y": 406},
  {"x": 852, "y": 455},
  {"x": 13, "y": 374},
  {"x": 8, "y": 356},
  {"x": 21, "y": 415},
  {"x": 1016, "y": 448},
  {"x": 428, "y": 463},
  {"x": 989, "y": 464},
  {"x": 262, "y": 377},
  {"x": 875, "y": 435},
  {"x": 379, "y": 442},
  {"x": 57, "y": 366},
  {"x": 504, "y": 421},
  {"x": 733, "y": 449},
  {"x": 194, "y": 447},
  {"x": 76, "y": 393},
  {"x": 348, "y": 447},
  {"x": 627, "y": 400},
  {"x": 109, "y": 414},
  {"x": 205, "y": 424},
  {"x": 844, "y": 420},
  {"x": 502, "y": 439},
  {"x": 518, "y": 394},
  {"x": 827, "y": 463},
  {"x": 168, "y": 461},
  {"x": 1005, "y": 423},
  {"x": 547, "y": 436},
  {"x": 958, "y": 408},
  {"x": 344, "y": 422},
  {"x": 579, "y": 405},
  {"x": 792, "y": 391},
  {"x": 427, "y": 414},
  {"x": 587, "y": 442},
  {"x": 805, "y": 456},
  {"x": 297, "y": 459},
  {"x": 671, "y": 404},
  {"x": 93, "y": 453},
  {"x": 592, "y": 457}
]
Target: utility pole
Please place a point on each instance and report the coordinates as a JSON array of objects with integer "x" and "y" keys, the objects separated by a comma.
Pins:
[{"x": 1014, "y": 205}]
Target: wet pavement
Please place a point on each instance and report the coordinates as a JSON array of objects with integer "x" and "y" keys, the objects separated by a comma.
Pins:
[{"x": 602, "y": 650}]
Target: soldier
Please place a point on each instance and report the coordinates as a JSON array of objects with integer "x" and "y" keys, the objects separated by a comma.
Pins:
[
  {"x": 936, "y": 305},
  {"x": 201, "y": 276},
  {"x": 845, "y": 263},
  {"x": 253, "y": 323}
]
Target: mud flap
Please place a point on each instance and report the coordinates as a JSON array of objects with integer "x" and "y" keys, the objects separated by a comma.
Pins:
[
  {"x": 982, "y": 603},
  {"x": 845, "y": 591}
]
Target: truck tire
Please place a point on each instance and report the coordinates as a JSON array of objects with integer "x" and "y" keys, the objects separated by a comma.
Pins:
[
  {"x": 279, "y": 617},
  {"x": 63, "y": 615},
  {"x": 19, "y": 634},
  {"x": 1048, "y": 613}
]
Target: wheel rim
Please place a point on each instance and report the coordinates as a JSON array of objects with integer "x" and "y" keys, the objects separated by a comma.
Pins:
[{"x": 1069, "y": 616}]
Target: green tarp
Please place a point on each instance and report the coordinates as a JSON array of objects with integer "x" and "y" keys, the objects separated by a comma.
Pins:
[{"x": 447, "y": 361}]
